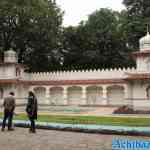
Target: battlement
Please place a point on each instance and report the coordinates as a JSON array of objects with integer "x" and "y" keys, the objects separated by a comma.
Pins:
[{"x": 79, "y": 74}]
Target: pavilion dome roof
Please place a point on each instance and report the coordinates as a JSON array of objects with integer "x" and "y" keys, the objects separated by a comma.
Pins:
[{"x": 145, "y": 42}]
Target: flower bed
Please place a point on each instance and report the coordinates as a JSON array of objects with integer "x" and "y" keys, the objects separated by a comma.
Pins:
[{"x": 128, "y": 110}]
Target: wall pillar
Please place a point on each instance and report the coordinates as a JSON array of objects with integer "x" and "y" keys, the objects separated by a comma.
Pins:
[
  {"x": 65, "y": 95},
  {"x": 84, "y": 96},
  {"x": 104, "y": 96},
  {"x": 47, "y": 94}
]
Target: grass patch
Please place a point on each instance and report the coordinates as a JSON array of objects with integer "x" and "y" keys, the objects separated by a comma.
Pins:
[{"x": 123, "y": 121}]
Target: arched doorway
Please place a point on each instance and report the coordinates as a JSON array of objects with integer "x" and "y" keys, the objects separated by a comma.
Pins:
[
  {"x": 115, "y": 95},
  {"x": 74, "y": 95},
  {"x": 40, "y": 93},
  {"x": 56, "y": 95},
  {"x": 94, "y": 95}
]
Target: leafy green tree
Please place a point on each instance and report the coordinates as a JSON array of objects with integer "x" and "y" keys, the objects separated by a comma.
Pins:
[
  {"x": 138, "y": 7},
  {"x": 98, "y": 42},
  {"x": 72, "y": 48},
  {"x": 32, "y": 28},
  {"x": 137, "y": 20}
]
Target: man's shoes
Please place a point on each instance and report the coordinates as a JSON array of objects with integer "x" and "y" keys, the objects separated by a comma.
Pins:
[
  {"x": 32, "y": 131},
  {"x": 2, "y": 129},
  {"x": 10, "y": 129}
]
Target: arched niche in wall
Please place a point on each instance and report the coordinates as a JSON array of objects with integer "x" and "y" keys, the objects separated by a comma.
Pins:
[
  {"x": 94, "y": 95},
  {"x": 18, "y": 71},
  {"x": 148, "y": 92},
  {"x": 56, "y": 95},
  {"x": 74, "y": 95},
  {"x": 40, "y": 93}
]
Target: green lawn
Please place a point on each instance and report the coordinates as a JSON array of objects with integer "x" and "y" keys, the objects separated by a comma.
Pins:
[{"x": 125, "y": 121}]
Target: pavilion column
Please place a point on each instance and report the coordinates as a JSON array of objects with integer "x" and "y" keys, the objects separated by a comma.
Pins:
[
  {"x": 104, "y": 96},
  {"x": 84, "y": 96},
  {"x": 47, "y": 94},
  {"x": 65, "y": 95}
]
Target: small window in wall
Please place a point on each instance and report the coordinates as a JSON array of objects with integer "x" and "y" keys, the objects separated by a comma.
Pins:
[
  {"x": 1, "y": 93},
  {"x": 148, "y": 92},
  {"x": 18, "y": 71}
]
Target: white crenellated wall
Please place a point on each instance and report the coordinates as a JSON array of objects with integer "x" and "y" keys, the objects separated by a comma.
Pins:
[{"x": 79, "y": 75}]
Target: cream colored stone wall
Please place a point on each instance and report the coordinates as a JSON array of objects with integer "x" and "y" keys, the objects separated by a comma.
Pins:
[
  {"x": 143, "y": 64},
  {"x": 79, "y": 75},
  {"x": 7, "y": 72},
  {"x": 139, "y": 90}
]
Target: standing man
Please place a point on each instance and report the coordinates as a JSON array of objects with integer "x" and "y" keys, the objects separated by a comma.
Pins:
[
  {"x": 31, "y": 109},
  {"x": 9, "y": 107}
]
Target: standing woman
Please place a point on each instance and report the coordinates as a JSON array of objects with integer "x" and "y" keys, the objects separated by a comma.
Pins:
[{"x": 31, "y": 109}]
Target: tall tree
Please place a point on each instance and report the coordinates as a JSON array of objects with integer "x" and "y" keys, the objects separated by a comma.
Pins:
[
  {"x": 98, "y": 42},
  {"x": 32, "y": 28},
  {"x": 138, "y": 7},
  {"x": 137, "y": 20}
]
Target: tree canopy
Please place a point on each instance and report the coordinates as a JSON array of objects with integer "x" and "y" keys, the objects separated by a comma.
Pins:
[
  {"x": 138, "y": 18},
  {"x": 98, "y": 42},
  {"x": 32, "y": 28}
]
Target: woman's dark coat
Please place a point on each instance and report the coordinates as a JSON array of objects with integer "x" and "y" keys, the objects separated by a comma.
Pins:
[{"x": 32, "y": 107}]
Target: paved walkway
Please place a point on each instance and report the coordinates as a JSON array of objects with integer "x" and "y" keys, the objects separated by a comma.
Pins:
[{"x": 20, "y": 139}]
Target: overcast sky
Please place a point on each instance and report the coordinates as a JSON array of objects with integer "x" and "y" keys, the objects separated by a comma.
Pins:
[{"x": 77, "y": 10}]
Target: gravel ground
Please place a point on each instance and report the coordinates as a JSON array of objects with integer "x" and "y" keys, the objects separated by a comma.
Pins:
[{"x": 21, "y": 139}]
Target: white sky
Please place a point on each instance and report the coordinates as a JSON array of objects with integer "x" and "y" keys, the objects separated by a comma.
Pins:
[{"x": 77, "y": 10}]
